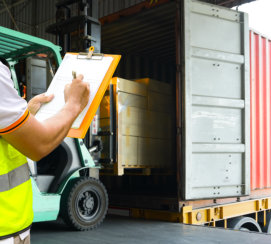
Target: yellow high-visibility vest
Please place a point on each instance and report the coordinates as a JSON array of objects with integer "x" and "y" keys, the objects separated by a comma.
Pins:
[{"x": 16, "y": 211}]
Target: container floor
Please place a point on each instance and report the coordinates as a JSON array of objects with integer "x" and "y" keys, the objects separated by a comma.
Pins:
[{"x": 125, "y": 230}]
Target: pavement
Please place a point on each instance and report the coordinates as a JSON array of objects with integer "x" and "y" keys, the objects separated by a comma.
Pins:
[{"x": 116, "y": 229}]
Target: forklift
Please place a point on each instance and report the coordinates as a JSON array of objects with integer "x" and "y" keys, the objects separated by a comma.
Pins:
[{"x": 66, "y": 182}]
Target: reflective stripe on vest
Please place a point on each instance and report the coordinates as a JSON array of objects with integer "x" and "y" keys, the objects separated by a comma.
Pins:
[{"x": 14, "y": 178}]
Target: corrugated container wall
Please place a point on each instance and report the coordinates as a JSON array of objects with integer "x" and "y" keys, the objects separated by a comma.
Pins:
[
  {"x": 22, "y": 13},
  {"x": 33, "y": 17},
  {"x": 107, "y": 7},
  {"x": 4, "y": 19},
  {"x": 24, "y": 16},
  {"x": 45, "y": 18},
  {"x": 260, "y": 62}
]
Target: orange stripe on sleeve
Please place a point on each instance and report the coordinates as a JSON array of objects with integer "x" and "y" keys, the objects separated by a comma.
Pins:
[{"x": 16, "y": 124}]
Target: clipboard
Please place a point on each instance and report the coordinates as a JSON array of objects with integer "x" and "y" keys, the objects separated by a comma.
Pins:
[{"x": 81, "y": 131}]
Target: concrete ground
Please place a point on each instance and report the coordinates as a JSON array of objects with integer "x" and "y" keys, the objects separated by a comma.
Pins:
[{"x": 124, "y": 230}]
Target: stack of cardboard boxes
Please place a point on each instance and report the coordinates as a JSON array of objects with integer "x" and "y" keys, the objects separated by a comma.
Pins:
[{"x": 145, "y": 123}]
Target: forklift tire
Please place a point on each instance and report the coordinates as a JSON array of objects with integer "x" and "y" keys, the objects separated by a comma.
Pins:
[{"x": 84, "y": 207}]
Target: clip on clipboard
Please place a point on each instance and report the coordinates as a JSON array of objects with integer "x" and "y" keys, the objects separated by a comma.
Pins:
[
  {"x": 97, "y": 69},
  {"x": 90, "y": 55}
]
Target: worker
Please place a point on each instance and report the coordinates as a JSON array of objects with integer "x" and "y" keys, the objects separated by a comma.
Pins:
[{"x": 21, "y": 136}]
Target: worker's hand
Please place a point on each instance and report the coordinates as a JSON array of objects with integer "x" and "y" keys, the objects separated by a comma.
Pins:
[
  {"x": 35, "y": 103},
  {"x": 77, "y": 93}
]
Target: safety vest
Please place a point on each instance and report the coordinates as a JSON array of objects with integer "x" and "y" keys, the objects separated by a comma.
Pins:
[{"x": 16, "y": 212}]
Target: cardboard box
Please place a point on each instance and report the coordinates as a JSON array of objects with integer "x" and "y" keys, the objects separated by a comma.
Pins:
[
  {"x": 123, "y": 100},
  {"x": 130, "y": 86},
  {"x": 161, "y": 102},
  {"x": 104, "y": 124},
  {"x": 105, "y": 107},
  {"x": 127, "y": 150},
  {"x": 130, "y": 100},
  {"x": 144, "y": 123},
  {"x": 156, "y": 86}
]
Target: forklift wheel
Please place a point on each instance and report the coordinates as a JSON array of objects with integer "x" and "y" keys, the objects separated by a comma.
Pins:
[{"x": 85, "y": 206}]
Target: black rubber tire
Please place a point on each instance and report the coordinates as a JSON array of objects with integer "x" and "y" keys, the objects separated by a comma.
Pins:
[
  {"x": 84, "y": 207},
  {"x": 244, "y": 223},
  {"x": 267, "y": 227}
]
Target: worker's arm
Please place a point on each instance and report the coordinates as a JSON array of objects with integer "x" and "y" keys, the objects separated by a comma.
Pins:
[{"x": 37, "y": 139}]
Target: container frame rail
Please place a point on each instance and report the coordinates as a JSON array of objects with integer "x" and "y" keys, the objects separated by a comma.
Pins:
[{"x": 231, "y": 215}]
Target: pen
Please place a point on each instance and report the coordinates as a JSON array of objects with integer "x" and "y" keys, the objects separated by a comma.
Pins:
[{"x": 74, "y": 74}]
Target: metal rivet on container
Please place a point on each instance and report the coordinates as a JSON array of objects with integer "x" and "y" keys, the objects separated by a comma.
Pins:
[
  {"x": 86, "y": 161},
  {"x": 214, "y": 139},
  {"x": 81, "y": 143},
  {"x": 229, "y": 155}
]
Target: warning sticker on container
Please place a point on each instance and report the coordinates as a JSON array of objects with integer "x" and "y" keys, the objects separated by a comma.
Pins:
[{"x": 95, "y": 125}]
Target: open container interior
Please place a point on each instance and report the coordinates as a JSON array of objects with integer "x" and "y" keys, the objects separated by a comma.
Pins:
[{"x": 146, "y": 40}]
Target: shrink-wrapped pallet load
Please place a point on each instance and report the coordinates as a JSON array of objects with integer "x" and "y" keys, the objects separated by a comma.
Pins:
[{"x": 144, "y": 124}]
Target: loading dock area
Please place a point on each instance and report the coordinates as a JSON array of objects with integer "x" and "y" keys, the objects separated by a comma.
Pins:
[
  {"x": 122, "y": 230},
  {"x": 182, "y": 133}
]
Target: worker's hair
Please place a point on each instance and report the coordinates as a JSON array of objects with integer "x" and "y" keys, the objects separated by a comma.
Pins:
[{"x": 4, "y": 61}]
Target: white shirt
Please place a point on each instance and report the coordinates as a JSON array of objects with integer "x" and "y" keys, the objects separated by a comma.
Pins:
[
  {"x": 11, "y": 239},
  {"x": 13, "y": 108},
  {"x": 13, "y": 112}
]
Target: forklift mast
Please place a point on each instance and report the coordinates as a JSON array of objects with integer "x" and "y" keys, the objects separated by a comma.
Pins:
[
  {"x": 85, "y": 26},
  {"x": 77, "y": 33}
]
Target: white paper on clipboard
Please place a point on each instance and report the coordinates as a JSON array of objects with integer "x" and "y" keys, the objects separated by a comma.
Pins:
[{"x": 93, "y": 71}]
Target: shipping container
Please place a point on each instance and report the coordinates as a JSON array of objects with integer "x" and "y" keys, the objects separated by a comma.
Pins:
[
  {"x": 212, "y": 87},
  {"x": 260, "y": 53},
  {"x": 221, "y": 74}
]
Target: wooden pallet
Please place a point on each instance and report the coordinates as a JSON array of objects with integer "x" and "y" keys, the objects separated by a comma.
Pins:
[{"x": 120, "y": 170}]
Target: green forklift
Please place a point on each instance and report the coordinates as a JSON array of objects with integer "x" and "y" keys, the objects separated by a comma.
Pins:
[{"x": 66, "y": 182}]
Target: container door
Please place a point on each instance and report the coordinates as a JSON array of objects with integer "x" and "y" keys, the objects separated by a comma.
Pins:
[{"x": 216, "y": 102}]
